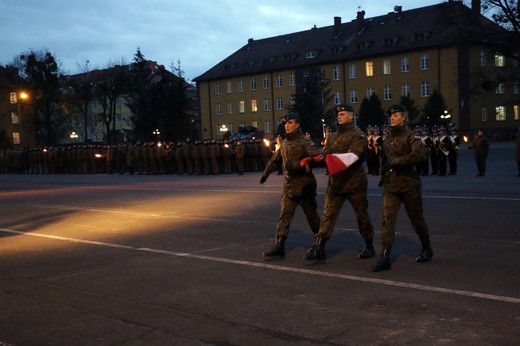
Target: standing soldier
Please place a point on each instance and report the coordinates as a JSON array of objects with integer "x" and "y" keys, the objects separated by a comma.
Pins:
[
  {"x": 130, "y": 158},
  {"x": 239, "y": 156},
  {"x": 214, "y": 154},
  {"x": 179, "y": 162},
  {"x": 453, "y": 151},
  {"x": 299, "y": 184},
  {"x": 428, "y": 144},
  {"x": 187, "y": 149},
  {"x": 227, "y": 156},
  {"x": 401, "y": 151},
  {"x": 443, "y": 152},
  {"x": 481, "y": 146},
  {"x": 349, "y": 184},
  {"x": 206, "y": 160},
  {"x": 196, "y": 152}
]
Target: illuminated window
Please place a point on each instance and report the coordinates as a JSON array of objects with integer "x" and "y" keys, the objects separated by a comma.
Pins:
[
  {"x": 387, "y": 67},
  {"x": 369, "y": 68},
  {"x": 13, "y": 98},
  {"x": 516, "y": 112},
  {"x": 500, "y": 60},
  {"x": 500, "y": 113},
  {"x": 14, "y": 118},
  {"x": 242, "y": 106},
  {"x": 254, "y": 107},
  {"x": 16, "y": 137}
]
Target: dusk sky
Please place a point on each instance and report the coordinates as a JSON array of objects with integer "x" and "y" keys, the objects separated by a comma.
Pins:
[{"x": 199, "y": 34}]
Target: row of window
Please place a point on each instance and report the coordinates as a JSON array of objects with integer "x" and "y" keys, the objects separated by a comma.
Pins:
[
  {"x": 221, "y": 128},
  {"x": 500, "y": 113}
]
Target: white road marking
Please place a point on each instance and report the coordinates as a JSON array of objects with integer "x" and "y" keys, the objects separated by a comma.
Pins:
[{"x": 277, "y": 267}]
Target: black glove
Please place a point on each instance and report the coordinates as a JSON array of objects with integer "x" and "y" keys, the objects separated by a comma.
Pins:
[{"x": 263, "y": 179}]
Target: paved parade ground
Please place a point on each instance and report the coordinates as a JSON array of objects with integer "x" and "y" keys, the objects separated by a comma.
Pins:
[{"x": 177, "y": 260}]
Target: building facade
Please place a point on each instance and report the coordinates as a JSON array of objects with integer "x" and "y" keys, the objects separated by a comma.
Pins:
[{"x": 411, "y": 52}]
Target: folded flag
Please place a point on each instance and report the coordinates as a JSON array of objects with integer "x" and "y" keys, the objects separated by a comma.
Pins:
[{"x": 339, "y": 162}]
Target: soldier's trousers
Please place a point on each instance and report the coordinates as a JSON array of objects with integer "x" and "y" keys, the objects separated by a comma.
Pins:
[
  {"x": 332, "y": 207},
  {"x": 288, "y": 207},
  {"x": 412, "y": 201}
]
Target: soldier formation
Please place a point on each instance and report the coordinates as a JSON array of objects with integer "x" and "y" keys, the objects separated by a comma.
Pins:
[{"x": 208, "y": 157}]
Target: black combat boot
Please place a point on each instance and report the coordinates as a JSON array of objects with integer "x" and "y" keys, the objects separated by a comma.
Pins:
[
  {"x": 368, "y": 251},
  {"x": 384, "y": 262},
  {"x": 426, "y": 255},
  {"x": 278, "y": 249},
  {"x": 317, "y": 251}
]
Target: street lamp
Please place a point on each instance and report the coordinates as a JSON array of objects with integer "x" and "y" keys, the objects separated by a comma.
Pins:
[
  {"x": 74, "y": 136},
  {"x": 445, "y": 115},
  {"x": 22, "y": 95}
]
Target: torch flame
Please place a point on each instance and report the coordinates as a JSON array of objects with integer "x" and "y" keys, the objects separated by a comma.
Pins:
[
  {"x": 266, "y": 142},
  {"x": 465, "y": 138}
]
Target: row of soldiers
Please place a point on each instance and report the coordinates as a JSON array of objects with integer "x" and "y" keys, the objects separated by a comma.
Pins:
[
  {"x": 442, "y": 145},
  {"x": 187, "y": 157}
]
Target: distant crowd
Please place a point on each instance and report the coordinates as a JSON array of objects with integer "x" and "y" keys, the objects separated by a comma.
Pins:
[{"x": 197, "y": 157}]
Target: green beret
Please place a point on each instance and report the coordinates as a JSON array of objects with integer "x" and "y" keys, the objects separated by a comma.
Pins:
[
  {"x": 396, "y": 108},
  {"x": 292, "y": 115},
  {"x": 343, "y": 107}
]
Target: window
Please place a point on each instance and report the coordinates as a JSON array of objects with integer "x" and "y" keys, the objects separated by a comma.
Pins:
[
  {"x": 425, "y": 89},
  {"x": 352, "y": 71},
  {"x": 425, "y": 62},
  {"x": 242, "y": 106},
  {"x": 217, "y": 89},
  {"x": 254, "y": 107},
  {"x": 369, "y": 68},
  {"x": 337, "y": 73},
  {"x": 386, "y": 67},
  {"x": 500, "y": 61},
  {"x": 267, "y": 127},
  {"x": 228, "y": 87},
  {"x": 230, "y": 108},
  {"x": 16, "y": 137},
  {"x": 14, "y": 118},
  {"x": 483, "y": 58},
  {"x": 500, "y": 113},
  {"x": 218, "y": 109},
  {"x": 310, "y": 54},
  {"x": 279, "y": 81},
  {"x": 266, "y": 82},
  {"x": 370, "y": 91},
  {"x": 279, "y": 102},
  {"x": 387, "y": 92},
  {"x": 13, "y": 98},
  {"x": 353, "y": 96},
  {"x": 337, "y": 98},
  {"x": 516, "y": 112},
  {"x": 405, "y": 64},
  {"x": 253, "y": 83},
  {"x": 500, "y": 89},
  {"x": 292, "y": 79},
  {"x": 266, "y": 104},
  {"x": 405, "y": 90},
  {"x": 483, "y": 114},
  {"x": 240, "y": 86}
]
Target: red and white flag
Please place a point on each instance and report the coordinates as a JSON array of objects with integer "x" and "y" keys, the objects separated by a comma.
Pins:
[{"x": 339, "y": 162}]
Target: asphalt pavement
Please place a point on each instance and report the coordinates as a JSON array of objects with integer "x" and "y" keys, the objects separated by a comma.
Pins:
[{"x": 177, "y": 260}]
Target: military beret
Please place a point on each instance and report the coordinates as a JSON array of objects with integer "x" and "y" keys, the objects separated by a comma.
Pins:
[
  {"x": 396, "y": 108},
  {"x": 292, "y": 115},
  {"x": 343, "y": 107}
]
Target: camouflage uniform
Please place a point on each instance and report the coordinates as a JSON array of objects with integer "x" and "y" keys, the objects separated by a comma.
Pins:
[
  {"x": 402, "y": 184},
  {"x": 299, "y": 184},
  {"x": 350, "y": 184}
]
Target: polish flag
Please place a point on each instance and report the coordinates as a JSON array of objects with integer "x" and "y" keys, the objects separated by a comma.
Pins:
[{"x": 339, "y": 162}]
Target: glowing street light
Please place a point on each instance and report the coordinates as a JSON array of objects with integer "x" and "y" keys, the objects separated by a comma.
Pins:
[{"x": 74, "y": 136}]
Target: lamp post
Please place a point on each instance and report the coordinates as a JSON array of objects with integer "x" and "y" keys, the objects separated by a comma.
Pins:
[
  {"x": 446, "y": 116},
  {"x": 74, "y": 136}
]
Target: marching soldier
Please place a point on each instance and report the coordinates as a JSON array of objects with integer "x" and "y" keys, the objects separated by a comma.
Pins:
[
  {"x": 299, "y": 186},
  {"x": 453, "y": 151}
]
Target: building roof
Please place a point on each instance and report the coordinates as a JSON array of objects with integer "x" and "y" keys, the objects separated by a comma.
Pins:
[{"x": 362, "y": 37}]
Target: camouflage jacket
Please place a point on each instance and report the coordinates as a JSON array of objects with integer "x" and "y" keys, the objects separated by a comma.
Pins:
[
  {"x": 403, "y": 150},
  {"x": 348, "y": 139},
  {"x": 299, "y": 180}
]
